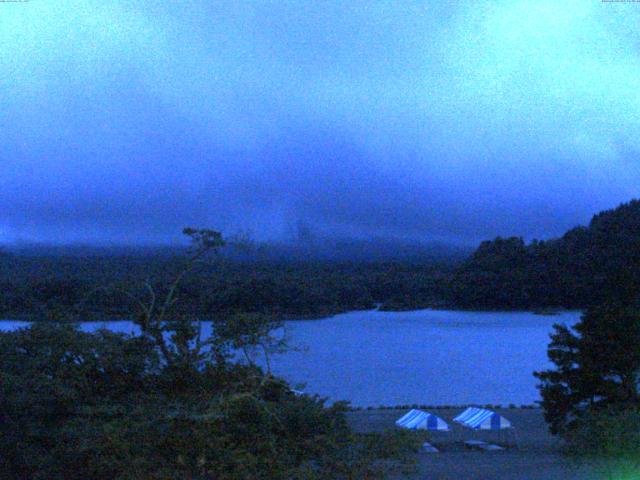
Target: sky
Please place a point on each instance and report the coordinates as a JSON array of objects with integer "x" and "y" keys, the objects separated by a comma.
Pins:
[{"x": 124, "y": 121}]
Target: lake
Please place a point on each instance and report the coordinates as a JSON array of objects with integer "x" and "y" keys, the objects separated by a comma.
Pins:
[{"x": 427, "y": 357}]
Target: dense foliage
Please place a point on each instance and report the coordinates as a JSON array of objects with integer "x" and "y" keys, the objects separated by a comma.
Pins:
[
  {"x": 608, "y": 433},
  {"x": 597, "y": 369},
  {"x": 75, "y": 286},
  {"x": 584, "y": 267},
  {"x": 101, "y": 406},
  {"x": 169, "y": 403}
]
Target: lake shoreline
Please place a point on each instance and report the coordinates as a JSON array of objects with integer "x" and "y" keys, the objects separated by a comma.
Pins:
[
  {"x": 383, "y": 408},
  {"x": 554, "y": 312}
]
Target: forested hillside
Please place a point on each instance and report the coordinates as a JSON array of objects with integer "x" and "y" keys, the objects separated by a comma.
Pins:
[
  {"x": 98, "y": 287},
  {"x": 574, "y": 271},
  {"x": 583, "y": 266}
]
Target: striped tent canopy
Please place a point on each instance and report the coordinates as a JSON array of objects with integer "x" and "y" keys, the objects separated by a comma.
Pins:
[
  {"x": 420, "y": 420},
  {"x": 482, "y": 419}
]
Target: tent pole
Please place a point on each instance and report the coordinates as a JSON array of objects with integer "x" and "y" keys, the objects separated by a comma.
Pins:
[{"x": 515, "y": 437}]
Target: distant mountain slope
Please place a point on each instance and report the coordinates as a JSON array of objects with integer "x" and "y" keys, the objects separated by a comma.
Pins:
[{"x": 585, "y": 264}]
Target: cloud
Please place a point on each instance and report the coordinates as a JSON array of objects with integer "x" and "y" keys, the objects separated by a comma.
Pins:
[{"x": 126, "y": 121}]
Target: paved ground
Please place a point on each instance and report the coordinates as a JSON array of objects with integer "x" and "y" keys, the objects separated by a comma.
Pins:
[{"x": 537, "y": 458}]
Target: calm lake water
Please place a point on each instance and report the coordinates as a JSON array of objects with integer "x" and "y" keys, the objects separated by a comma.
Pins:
[{"x": 429, "y": 357}]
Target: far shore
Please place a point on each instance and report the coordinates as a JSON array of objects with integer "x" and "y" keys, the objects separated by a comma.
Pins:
[
  {"x": 551, "y": 311},
  {"x": 495, "y": 407}
]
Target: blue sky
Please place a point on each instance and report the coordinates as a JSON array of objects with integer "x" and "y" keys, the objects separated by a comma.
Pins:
[{"x": 124, "y": 121}]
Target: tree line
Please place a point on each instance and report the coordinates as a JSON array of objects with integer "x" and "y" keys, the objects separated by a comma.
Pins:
[
  {"x": 93, "y": 287},
  {"x": 584, "y": 267}
]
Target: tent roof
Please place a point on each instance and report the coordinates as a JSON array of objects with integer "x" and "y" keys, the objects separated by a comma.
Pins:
[
  {"x": 482, "y": 419},
  {"x": 418, "y": 419}
]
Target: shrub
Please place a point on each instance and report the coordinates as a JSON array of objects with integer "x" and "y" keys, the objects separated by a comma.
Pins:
[
  {"x": 76, "y": 406},
  {"x": 607, "y": 432}
]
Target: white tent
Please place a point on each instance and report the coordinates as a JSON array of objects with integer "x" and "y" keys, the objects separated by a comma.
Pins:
[
  {"x": 420, "y": 420},
  {"x": 482, "y": 419}
]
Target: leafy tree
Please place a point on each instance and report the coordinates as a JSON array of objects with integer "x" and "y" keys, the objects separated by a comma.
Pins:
[
  {"x": 177, "y": 337},
  {"x": 610, "y": 439},
  {"x": 104, "y": 406},
  {"x": 597, "y": 365},
  {"x": 51, "y": 374},
  {"x": 168, "y": 403}
]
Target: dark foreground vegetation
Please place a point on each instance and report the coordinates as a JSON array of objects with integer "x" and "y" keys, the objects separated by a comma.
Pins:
[
  {"x": 170, "y": 404},
  {"x": 592, "y": 398},
  {"x": 104, "y": 406}
]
